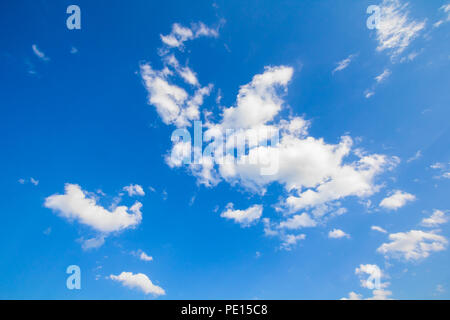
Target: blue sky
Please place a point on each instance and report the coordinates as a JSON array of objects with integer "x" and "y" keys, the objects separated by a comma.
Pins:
[{"x": 363, "y": 161}]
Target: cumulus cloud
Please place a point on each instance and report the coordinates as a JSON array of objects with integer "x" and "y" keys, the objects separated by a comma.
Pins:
[
  {"x": 76, "y": 204},
  {"x": 298, "y": 222},
  {"x": 173, "y": 104},
  {"x": 413, "y": 245},
  {"x": 290, "y": 240},
  {"x": 438, "y": 217},
  {"x": 138, "y": 281},
  {"x": 142, "y": 255},
  {"x": 341, "y": 65},
  {"x": 40, "y": 54},
  {"x": 244, "y": 217},
  {"x": 379, "y": 229},
  {"x": 370, "y": 278},
  {"x": 314, "y": 174},
  {"x": 396, "y": 30},
  {"x": 337, "y": 234},
  {"x": 397, "y": 200},
  {"x": 145, "y": 257},
  {"x": 134, "y": 190}
]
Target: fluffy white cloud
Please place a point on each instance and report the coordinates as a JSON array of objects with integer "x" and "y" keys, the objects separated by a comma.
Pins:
[
  {"x": 298, "y": 222},
  {"x": 134, "y": 190},
  {"x": 244, "y": 217},
  {"x": 76, "y": 204},
  {"x": 341, "y": 65},
  {"x": 370, "y": 278},
  {"x": 257, "y": 101},
  {"x": 181, "y": 34},
  {"x": 145, "y": 257},
  {"x": 173, "y": 103},
  {"x": 395, "y": 29},
  {"x": 397, "y": 200},
  {"x": 290, "y": 240},
  {"x": 413, "y": 245},
  {"x": 438, "y": 217},
  {"x": 138, "y": 281},
  {"x": 315, "y": 174},
  {"x": 337, "y": 234},
  {"x": 379, "y": 229}
]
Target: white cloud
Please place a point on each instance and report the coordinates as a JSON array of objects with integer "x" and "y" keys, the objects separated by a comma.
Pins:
[
  {"x": 34, "y": 181},
  {"x": 244, "y": 217},
  {"x": 138, "y": 281},
  {"x": 379, "y": 229},
  {"x": 41, "y": 55},
  {"x": 145, "y": 257},
  {"x": 413, "y": 245},
  {"x": 315, "y": 174},
  {"x": 396, "y": 30},
  {"x": 290, "y": 240},
  {"x": 438, "y": 217},
  {"x": 368, "y": 93},
  {"x": 353, "y": 296},
  {"x": 181, "y": 34},
  {"x": 443, "y": 169},
  {"x": 415, "y": 157},
  {"x": 337, "y": 234},
  {"x": 370, "y": 278},
  {"x": 446, "y": 9},
  {"x": 134, "y": 190},
  {"x": 186, "y": 73},
  {"x": 397, "y": 200},
  {"x": 341, "y": 65},
  {"x": 257, "y": 101},
  {"x": 93, "y": 243},
  {"x": 173, "y": 103},
  {"x": 76, "y": 204},
  {"x": 383, "y": 76},
  {"x": 298, "y": 222}
]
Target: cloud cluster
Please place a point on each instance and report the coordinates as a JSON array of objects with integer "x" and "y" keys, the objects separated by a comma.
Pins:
[{"x": 315, "y": 174}]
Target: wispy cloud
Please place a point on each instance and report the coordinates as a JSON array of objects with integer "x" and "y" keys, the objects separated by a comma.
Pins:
[
  {"x": 341, "y": 65},
  {"x": 396, "y": 29},
  {"x": 383, "y": 76},
  {"x": 40, "y": 54}
]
